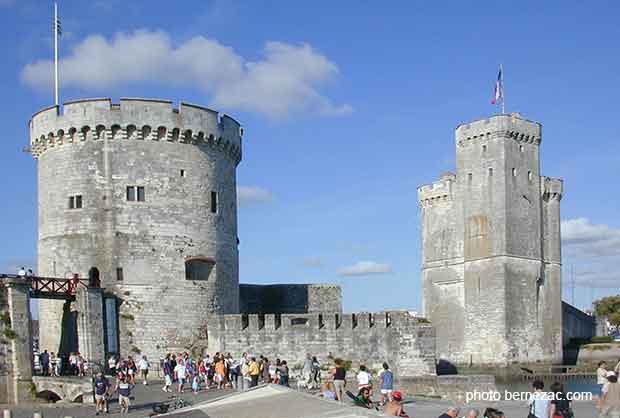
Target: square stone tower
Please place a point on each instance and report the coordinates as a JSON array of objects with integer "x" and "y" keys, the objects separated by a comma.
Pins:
[{"x": 491, "y": 248}]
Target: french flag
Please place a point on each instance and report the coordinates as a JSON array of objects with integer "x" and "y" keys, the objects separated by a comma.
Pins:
[{"x": 499, "y": 88}]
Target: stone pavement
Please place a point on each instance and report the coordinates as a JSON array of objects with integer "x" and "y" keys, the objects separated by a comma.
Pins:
[{"x": 144, "y": 397}]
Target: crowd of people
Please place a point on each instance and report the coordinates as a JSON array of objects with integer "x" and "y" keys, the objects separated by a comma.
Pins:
[{"x": 72, "y": 364}]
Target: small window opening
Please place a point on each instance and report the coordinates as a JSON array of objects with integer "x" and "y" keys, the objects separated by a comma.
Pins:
[
  {"x": 278, "y": 320},
  {"x": 371, "y": 320},
  {"x": 78, "y": 202},
  {"x": 182, "y": 173},
  {"x": 245, "y": 321},
  {"x": 490, "y": 172},
  {"x": 337, "y": 320},
  {"x": 71, "y": 202},
  {"x": 119, "y": 274},
  {"x": 514, "y": 172},
  {"x": 213, "y": 202},
  {"x": 470, "y": 177},
  {"x": 198, "y": 268},
  {"x": 521, "y": 148},
  {"x": 299, "y": 321},
  {"x": 141, "y": 196},
  {"x": 353, "y": 321},
  {"x": 388, "y": 319},
  {"x": 484, "y": 149},
  {"x": 131, "y": 194},
  {"x": 261, "y": 320},
  {"x": 321, "y": 323},
  {"x": 529, "y": 176}
]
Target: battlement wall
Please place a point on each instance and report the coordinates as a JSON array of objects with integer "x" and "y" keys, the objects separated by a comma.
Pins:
[
  {"x": 439, "y": 191},
  {"x": 289, "y": 298},
  {"x": 406, "y": 342},
  {"x": 504, "y": 126},
  {"x": 552, "y": 188},
  {"x": 139, "y": 119}
]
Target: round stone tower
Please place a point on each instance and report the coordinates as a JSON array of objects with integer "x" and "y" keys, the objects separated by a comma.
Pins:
[{"x": 142, "y": 197}]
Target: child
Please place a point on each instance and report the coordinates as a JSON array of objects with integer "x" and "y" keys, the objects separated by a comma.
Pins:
[
  {"x": 124, "y": 391},
  {"x": 195, "y": 384}
]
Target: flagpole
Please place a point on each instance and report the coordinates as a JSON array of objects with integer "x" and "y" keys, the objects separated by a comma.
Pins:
[
  {"x": 501, "y": 69},
  {"x": 55, "y": 28}
]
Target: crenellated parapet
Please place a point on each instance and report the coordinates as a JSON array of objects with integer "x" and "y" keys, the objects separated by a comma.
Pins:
[
  {"x": 512, "y": 126},
  {"x": 134, "y": 119},
  {"x": 551, "y": 189},
  {"x": 441, "y": 191}
]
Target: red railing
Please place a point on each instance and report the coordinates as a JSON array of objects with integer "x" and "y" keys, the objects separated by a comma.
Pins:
[{"x": 52, "y": 286}]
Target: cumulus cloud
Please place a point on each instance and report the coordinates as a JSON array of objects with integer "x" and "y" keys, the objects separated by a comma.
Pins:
[
  {"x": 286, "y": 80},
  {"x": 365, "y": 268},
  {"x": 249, "y": 195},
  {"x": 588, "y": 239}
]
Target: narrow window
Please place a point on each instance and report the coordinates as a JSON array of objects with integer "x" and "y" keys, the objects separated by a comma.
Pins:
[
  {"x": 71, "y": 202},
  {"x": 119, "y": 274},
  {"x": 529, "y": 176},
  {"x": 514, "y": 172},
  {"x": 131, "y": 194},
  {"x": 213, "y": 202},
  {"x": 78, "y": 202},
  {"x": 520, "y": 148},
  {"x": 141, "y": 196},
  {"x": 490, "y": 172},
  {"x": 470, "y": 177},
  {"x": 484, "y": 149},
  {"x": 182, "y": 173}
]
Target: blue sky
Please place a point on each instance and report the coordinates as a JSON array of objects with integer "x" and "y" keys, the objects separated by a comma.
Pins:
[{"x": 333, "y": 154}]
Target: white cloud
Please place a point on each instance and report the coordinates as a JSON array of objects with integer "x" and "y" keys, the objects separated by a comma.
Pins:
[
  {"x": 247, "y": 195},
  {"x": 588, "y": 239},
  {"x": 364, "y": 268},
  {"x": 284, "y": 81}
]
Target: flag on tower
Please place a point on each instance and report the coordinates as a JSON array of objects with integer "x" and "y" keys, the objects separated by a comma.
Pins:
[{"x": 499, "y": 88}]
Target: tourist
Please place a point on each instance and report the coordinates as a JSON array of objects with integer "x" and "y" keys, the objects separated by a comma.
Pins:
[
  {"x": 363, "y": 378},
  {"x": 102, "y": 386},
  {"x": 394, "y": 407},
  {"x": 167, "y": 369},
  {"x": 131, "y": 370},
  {"x": 144, "y": 365},
  {"x": 283, "y": 373},
  {"x": 173, "y": 365},
  {"x": 53, "y": 364},
  {"x": 265, "y": 371},
  {"x": 363, "y": 398},
  {"x": 316, "y": 371},
  {"x": 609, "y": 402},
  {"x": 181, "y": 373},
  {"x": 560, "y": 405},
  {"x": 45, "y": 362},
  {"x": 539, "y": 401},
  {"x": 386, "y": 378},
  {"x": 306, "y": 371},
  {"x": 493, "y": 413},
  {"x": 273, "y": 371},
  {"x": 601, "y": 375},
  {"x": 327, "y": 391},
  {"x": 253, "y": 372},
  {"x": 112, "y": 365},
  {"x": 235, "y": 372},
  {"x": 123, "y": 387},
  {"x": 473, "y": 413},
  {"x": 339, "y": 374},
  {"x": 452, "y": 412},
  {"x": 195, "y": 385},
  {"x": 29, "y": 273},
  {"x": 245, "y": 373},
  {"x": 22, "y": 272},
  {"x": 220, "y": 373}
]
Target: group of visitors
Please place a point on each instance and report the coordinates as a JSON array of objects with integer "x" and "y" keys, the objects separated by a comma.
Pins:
[{"x": 73, "y": 364}]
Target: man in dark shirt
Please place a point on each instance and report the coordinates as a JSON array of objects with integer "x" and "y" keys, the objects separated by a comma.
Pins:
[
  {"x": 45, "y": 363},
  {"x": 101, "y": 390}
]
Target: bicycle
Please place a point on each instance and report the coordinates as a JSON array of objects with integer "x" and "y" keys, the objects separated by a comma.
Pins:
[{"x": 175, "y": 402}]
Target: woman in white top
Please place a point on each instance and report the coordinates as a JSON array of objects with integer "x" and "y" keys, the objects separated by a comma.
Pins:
[
  {"x": 143, "y": 365},
  {"x": 601, "y": 375},
  {"x": 609, "y": 403},
  {"x": 363, "y": 378}
]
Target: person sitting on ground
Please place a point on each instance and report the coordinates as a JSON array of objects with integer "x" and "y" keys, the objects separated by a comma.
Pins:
[
  {"x": 493, "y": 413},
  {"x": 394, "y": 407},
  {"x": 327, "y": 391},
  {"x": 452, "y": 412},
  {"x": 363, "y": 398}
]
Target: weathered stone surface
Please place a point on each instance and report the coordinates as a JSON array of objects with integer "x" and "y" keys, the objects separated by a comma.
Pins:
[
  {"x": 407, "y": 344},
  {"x": 96, "y": 149},
  {"x": 91, "y": 326},
  {"x": 491, "y": 248}
]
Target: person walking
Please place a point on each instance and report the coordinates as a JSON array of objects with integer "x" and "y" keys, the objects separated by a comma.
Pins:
[
  {"x": 167, "y": 370},
  {"x": 539, "y": 403},
  {"x": 102, "y": 386},
  {"x": 560, "y": 405},
  {"x": 283, "y": 373},
  {"x": 609, "y": 402},
  {"x": 316, "y": 372},
  {"x": 339, "y": 374},
  {"x": 306, "y": 371},
  {"x": 363, "y": 378},
  {"x": 123, "y": 387},
  {"x": 112, "y": 365},
  {"x": 386, "y": 378},
  {"x": 601, "y": 376},
  {"x": 144, "y": 365},
  {"x": 181, "y": 373}
]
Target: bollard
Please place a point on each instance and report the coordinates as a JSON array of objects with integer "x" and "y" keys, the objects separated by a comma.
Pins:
[{"x": 7, "y": 414}]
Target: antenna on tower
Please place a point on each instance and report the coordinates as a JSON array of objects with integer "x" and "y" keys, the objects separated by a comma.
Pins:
[{"x": 56, "y": 32}]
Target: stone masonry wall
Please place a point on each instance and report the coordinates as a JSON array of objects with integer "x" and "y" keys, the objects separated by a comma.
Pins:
[
  {"x": 289, "y": 298},
  {"x": 96, "y": 149},
  {"x": 406, "y": 343}
]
